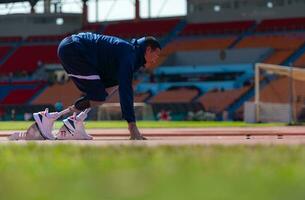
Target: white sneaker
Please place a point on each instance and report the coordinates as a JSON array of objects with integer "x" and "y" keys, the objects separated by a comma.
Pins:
[
  {"x": 17, "y": 136},
  {"x": 33, "y": 133},
  {"x": 45, "y": 122},
  {"x": 75, "y": 127}
]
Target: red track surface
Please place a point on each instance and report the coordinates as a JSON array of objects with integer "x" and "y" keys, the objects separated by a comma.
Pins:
[{"x": 190, "y": 136}]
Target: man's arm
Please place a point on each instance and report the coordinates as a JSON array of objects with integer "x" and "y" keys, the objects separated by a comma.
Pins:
[{"x": 125, "y": 77}]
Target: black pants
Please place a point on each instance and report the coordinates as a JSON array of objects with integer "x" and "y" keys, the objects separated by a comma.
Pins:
[{"x": 80, "y": 69}]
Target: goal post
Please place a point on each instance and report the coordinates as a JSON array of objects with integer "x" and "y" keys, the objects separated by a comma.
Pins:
[
  {"x": 112, "y": 111},
  {"x": 279, "y": 94}
]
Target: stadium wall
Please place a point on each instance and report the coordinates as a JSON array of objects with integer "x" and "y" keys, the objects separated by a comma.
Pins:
[
  {"x": 38, "y": 24},
  {"x": 212, "y": 57},
  {"x": 227, "y": 10}
]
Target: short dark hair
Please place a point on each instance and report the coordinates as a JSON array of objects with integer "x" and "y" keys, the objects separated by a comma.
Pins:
[{"x": 152, "y": 42}]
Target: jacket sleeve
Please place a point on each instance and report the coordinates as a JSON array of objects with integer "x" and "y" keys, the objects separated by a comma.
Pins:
[{"x": 125, "y": 77}]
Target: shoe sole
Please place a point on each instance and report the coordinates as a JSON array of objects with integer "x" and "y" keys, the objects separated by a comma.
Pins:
[{"x": 38, "y": 121}]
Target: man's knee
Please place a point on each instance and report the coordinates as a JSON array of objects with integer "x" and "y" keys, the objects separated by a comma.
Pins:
[{"x": 82, "y": 103}]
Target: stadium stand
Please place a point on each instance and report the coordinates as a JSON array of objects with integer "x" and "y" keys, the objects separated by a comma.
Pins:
[
  {"x": 195, "y": 43},
  {"x": 284, "y": 24},
  {"x": 198, "y": 44},
  {"x": 203, "y": 69},
  {"x": 213, "y": 57},
  {"x": 58, "y": 93},
  {"x": 193, "y": 29},
  {"x": 45, "y": 38},
  {"x": 92, "y": 27},
  {"x": 10, "y": 39},
  {"x": 4, "y": 50},
  {"x": 218, "y": 101},
  {"x": 26, "y": 58},
  {"x": 20, "y": 92},
  {"x": 180, "y": 95},
  {"x": 278, "y": 57},
  {"x": 276, "y": 41},
  {"x": 138, "y": 97},
  {"x": 142, "y": 97},
  {"x": 300, "y": 62},
  {"x": 19, "y": 96},
  {"x": 128, "y": 29}
]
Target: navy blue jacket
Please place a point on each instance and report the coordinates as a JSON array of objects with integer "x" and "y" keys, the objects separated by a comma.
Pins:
[{"x": 116, "y": 60}]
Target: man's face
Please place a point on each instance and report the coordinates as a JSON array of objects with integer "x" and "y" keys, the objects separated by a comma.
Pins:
[{"x": 151, "y": 56}]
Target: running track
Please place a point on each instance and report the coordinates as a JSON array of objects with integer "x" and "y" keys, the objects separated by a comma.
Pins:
[{"x": 189, "y": 136}]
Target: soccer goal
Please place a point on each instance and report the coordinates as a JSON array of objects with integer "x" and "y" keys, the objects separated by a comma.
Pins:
[
  {"x": 279, "y": 95},
  {"x": 112, "y": 111}
]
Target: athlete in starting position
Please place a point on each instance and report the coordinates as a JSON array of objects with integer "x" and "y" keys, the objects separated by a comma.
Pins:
[{"x": 98, "y": 65}]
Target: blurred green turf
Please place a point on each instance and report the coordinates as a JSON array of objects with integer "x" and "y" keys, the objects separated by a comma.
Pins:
[
  {"x": 163, "y": 173},
  {"x": 20, "y": 125}
]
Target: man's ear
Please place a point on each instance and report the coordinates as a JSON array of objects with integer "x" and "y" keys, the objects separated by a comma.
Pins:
[{"x": 148, "y": 49}]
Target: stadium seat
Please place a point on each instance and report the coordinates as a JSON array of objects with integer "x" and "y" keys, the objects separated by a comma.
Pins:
[
  {"x": 300, "y": 62},
  {"x": 198, "y": 44},
  {"x": 92, "y": 27},
  {"x": 10, "y": 39},
  {"x": 19, "y": 94},
  {"x": 278, "y": 57},
  {"x": 129, "y": 29},
  {"x": 4, "y": 50},
  {"x": 138, "y": 97},
  {"x": 193, "y": 29},
  {"x": 26, "y": 58},
  {"x": 282, "y": 42},
  {"x": 45, "y": 38},
  {"x": 58, "y": 93},
  {"x": 218, "y": 101},
  {"x": 183, "y": 95},
  {"x": 287, "y": 24},
  {"x": 194, "y": 45}
]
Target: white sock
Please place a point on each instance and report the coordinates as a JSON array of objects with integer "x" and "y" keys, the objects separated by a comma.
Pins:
[{"x": 81, "y": 116}]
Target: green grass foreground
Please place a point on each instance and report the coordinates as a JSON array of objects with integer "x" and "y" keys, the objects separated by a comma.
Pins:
[
  {"x": 19, "y": 125},
  {"x": 163, "y": 173}
]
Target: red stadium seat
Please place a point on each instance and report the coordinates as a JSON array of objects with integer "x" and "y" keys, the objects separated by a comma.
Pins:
[
  {"x": 300, "y": 62},
  {"x": 278, "y": 57},
  {"x": 45, "y": 38},
  {"x": 92, "y": 27},
  {"x": 218, "y": 101},
  {"x": 4, "y": 50},
  {"x": 26, "y": 58},
  {"x": 11, "y": 39},
  {"x": 287, "y": 24},
  {"x": 22, "y": 96},
  {"x": 182, "y": 95},
  {"x": 216, "y": 28},
  {"x": 129, "y": 29},
  {"x": 58, "y": 92},
  {"x": 280, "y": 42}
]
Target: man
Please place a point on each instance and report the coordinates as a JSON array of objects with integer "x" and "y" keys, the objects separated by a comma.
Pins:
[{"x": 99, "y": 65}]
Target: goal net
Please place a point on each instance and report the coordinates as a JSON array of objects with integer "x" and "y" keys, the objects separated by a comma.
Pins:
[
  {"x": 112, "y": 111},
  {"x": 279, "y": 95}
]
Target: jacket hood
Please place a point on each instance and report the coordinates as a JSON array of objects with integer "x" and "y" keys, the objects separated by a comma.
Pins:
[{"x": 140, "y": 47}]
